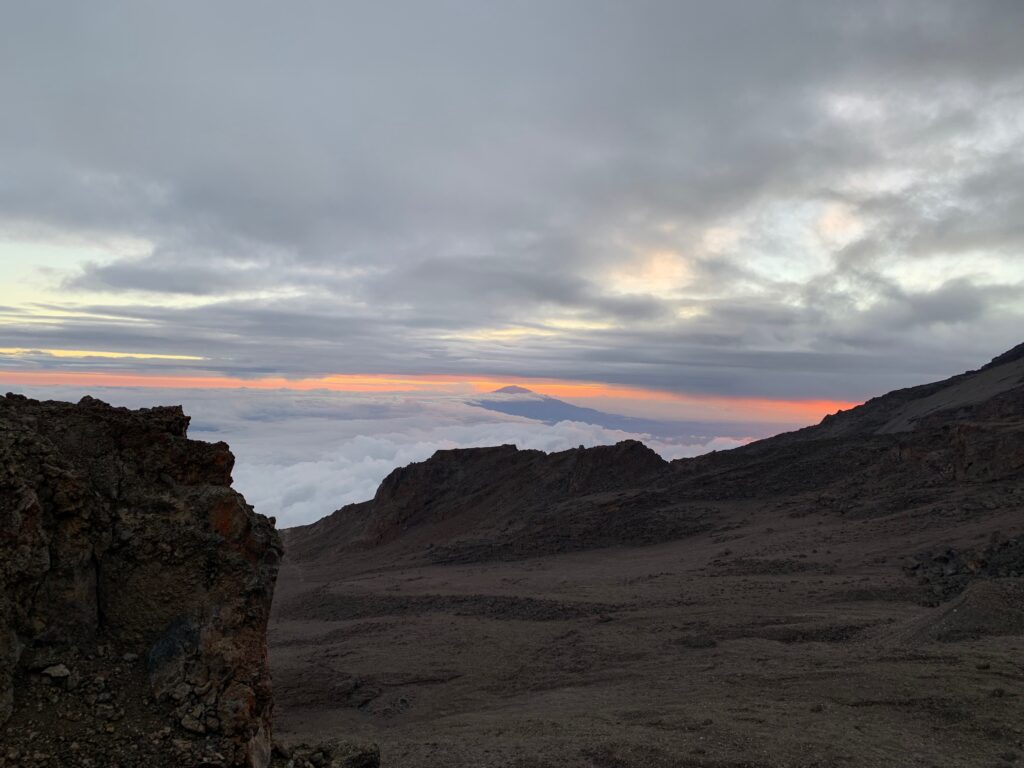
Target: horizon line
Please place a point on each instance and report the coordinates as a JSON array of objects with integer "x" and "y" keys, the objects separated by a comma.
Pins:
[{"x": 727, "y": 407}]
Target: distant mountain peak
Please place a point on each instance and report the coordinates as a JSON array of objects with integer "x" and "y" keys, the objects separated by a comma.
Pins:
[{"x": 528, "y": 404}]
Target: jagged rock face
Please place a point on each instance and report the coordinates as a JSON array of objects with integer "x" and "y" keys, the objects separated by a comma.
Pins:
[
  {"x": 459, "y": 478},
  {"x": 495, "y": 489},
  {"x": 116, "y": 531}
]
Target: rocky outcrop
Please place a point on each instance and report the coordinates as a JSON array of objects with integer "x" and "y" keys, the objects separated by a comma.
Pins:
[
  {"x": 528, "y": 499},
  {"x": 455, "y": 480},
  {"x": 948, "y": 572},
  {"x": 135, "y": 587}
]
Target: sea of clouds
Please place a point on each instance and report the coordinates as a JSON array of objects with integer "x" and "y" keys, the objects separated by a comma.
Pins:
[{"x": 302, "y": 455}]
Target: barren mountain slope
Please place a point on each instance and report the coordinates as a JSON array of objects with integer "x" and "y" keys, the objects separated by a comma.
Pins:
[{"x": 847, "y": 595}]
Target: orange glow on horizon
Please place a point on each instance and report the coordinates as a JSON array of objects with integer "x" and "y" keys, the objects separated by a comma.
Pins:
[{"x": 714, "y": 407}]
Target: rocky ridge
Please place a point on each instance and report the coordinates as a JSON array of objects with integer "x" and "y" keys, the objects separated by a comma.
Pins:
[
  {"x": 135, "y": 587},
  {"x": 529, "y": 495},
  {"x": 475, "y": 505}
]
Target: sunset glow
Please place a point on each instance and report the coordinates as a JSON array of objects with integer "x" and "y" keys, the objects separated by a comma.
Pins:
[{"x": 679, "y": 404}]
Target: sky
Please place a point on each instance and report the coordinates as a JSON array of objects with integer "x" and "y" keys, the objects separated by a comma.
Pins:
[{"x": 756, "y": 212}]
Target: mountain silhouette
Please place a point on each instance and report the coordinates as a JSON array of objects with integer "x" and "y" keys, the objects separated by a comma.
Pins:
[{"x": 520, "y": 401}]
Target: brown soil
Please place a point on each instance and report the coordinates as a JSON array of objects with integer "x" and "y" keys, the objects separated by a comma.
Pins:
[{"x": 680, "y": 661}]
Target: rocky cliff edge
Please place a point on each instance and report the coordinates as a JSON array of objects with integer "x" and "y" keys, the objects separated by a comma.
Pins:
[{"x": 135, "y": 587}]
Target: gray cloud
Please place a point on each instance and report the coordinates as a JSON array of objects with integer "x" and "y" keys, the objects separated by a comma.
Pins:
[{"x": 390, "y": 187}]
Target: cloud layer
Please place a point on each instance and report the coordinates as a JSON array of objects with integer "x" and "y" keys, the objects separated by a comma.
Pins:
[
  {"x": 783, "y": 199},
  {"x": 300, "y": 456}
]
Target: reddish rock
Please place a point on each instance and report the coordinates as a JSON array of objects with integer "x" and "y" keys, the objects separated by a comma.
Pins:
[{"x": 117, "y": 531}]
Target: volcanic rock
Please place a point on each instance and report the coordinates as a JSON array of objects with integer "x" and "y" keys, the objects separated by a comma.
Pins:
[{"x": 126, "y": 556}]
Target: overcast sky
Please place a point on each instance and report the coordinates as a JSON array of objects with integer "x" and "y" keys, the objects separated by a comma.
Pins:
[{"x": 761, "y": 199}]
